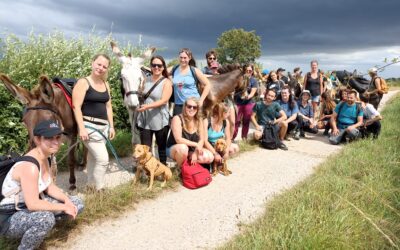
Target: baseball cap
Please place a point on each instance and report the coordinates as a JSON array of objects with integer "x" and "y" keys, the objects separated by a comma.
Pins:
[
  {"x": 265, "y": 71},
  {"x": 47, "y": 128},
  {"x": 296, "y": 69},
  {"x": 280, "y": 69},
  {"x": 373, "y": 70}
]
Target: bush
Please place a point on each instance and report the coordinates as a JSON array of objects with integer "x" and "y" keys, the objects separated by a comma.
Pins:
[{"x": 53, "y": 55}]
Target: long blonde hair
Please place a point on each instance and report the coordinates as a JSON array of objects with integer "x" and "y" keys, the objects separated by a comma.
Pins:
[{"x": 197, "y": 116}]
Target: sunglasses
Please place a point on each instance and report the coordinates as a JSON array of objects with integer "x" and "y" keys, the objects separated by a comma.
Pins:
[
  {"x": 154, "y": 65},
  {"x": 191, "y": 107},
  {"x": 249, "y": 70},
  {"x": 212, "y": 58}
]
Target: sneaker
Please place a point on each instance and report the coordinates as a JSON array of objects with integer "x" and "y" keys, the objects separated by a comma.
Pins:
[
  {"x": 302, "y": 134},
  {"x": 326, "y": 133},
  {"x": 287, "y": 137},
  {"x": 283, "y": 146},
  {"x": 296, "y": 135}
]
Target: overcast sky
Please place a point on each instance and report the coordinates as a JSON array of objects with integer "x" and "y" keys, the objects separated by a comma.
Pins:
[{"x": 340, "y": 34}]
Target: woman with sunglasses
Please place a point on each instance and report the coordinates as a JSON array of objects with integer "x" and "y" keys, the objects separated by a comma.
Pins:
[
  {"x": 187, "y": 136},
  {"x": 184, "y": 81},
  {"x": 211, "y": 57},
  {"x": 153, "y": 117},
  {"x": 217, "y": 127},
  {"x": 32, "y": 202},
  {"x": 245, "y": 103}
]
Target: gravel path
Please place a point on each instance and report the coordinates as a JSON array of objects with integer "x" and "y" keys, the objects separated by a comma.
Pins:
[{"x": 210, "y": 216}]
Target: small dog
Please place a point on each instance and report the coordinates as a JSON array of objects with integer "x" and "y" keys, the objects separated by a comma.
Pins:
[
  {"x": 220, "y": 147},
  {"x": 153, "y": 167}
]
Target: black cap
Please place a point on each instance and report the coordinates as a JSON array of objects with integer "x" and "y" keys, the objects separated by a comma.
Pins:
[
  {"x": 296, "y": 69},
  {"x": 280, "y": 69},
  {"x": 47, "y": 128}
]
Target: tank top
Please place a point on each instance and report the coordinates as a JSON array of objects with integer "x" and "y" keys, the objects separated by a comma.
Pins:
[
  {"x": 156, "y": 118},
  {"x": 184, "y": 86},
  {"x": 313, "y": 84},
  {"x": 213, "y": 135},
  {"x": 94, "y": 103},
  {"x": 12, "y": 190},
  {"x": 194, "y": 137}
]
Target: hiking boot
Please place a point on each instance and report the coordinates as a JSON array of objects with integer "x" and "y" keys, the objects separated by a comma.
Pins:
[
  {"x": 296, "y": 135},
  {"x": 287, "y": 137},
  {"x": 302, "y": 134},
  {"x": 283, "y": 146}
]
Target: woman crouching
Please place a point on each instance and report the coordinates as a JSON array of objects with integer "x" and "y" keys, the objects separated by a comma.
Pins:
[{"x": 32, "y": 201}]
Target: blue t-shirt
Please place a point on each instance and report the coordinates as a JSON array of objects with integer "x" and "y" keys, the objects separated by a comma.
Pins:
[
  {"x": 286, "y": 107},
  {"x": 306, "y": 110},
  {"x": 348, "y": 114},
  {"x": 252, "y": 84},
  {"x": 184, "y": 86}
]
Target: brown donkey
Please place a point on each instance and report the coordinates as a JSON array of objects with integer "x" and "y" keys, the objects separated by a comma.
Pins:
[{"x": 46, "y": 101}]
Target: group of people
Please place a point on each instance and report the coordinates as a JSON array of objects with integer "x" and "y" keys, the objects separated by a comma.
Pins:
[{"x": 188, "y": 135}]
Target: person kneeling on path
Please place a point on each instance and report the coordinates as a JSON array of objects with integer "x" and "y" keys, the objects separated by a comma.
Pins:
[
  {"x": 268, "y": 111},
  {"x": 346, "y": 119},
  {"x": 305, "y": 117},
  {"x": 32, "y": 202},
  {"x": 372, "y": 117},
  {"x": 289, "y": 105}
]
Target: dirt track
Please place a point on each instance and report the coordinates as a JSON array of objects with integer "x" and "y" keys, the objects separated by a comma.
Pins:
[{"x": 207, "y": 217}]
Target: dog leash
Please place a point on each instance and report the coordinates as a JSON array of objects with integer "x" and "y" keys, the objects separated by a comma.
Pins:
[{"x": 111, "y": 147}]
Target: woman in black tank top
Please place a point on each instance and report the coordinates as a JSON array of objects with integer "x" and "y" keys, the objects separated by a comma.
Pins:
[
  {"x": 313, "y": 83},
  {"x": 94, "y": 117},
  {"x": 187, "y": 136}
]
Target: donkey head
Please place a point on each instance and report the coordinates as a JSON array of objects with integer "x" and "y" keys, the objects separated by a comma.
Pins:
[
  {"x": 39, "y": 102},
  {"x": 131, "y": 74}
]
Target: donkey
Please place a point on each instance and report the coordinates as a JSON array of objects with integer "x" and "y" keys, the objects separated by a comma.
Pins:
[
  {"x": 132, "y": 80},
  {"x": 43, "y": 102}
]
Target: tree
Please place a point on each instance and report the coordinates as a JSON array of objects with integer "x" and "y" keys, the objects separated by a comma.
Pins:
[{"x": 238, "y": 46}]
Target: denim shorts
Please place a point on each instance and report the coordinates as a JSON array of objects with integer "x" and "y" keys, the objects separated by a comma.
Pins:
[{"x": 316, "y": 98}]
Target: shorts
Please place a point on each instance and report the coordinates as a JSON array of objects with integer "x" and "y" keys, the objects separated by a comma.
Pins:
[
  {"x": 316, "y": 98},
  {"x": 168, "y": 151}
]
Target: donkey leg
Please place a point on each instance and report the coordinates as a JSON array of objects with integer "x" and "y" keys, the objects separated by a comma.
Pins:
[{"x": 71, "y": 165}]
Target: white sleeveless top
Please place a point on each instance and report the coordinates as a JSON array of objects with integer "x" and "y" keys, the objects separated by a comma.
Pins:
[{"x": 12, "y": 190}]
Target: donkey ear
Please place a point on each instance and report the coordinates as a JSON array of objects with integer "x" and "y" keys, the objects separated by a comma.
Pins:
[
  {"x": 20, "y": 93},
  {"x": 46, "y": 90}
]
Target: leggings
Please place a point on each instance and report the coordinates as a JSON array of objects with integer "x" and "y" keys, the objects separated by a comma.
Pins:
[
  {"x": 146, "y": 137},
  {"x": 244, "y": 114},
  {"x": 32, "y": 227}
]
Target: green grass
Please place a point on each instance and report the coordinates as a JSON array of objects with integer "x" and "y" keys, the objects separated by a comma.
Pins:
[{"x": 351, "y": 202}]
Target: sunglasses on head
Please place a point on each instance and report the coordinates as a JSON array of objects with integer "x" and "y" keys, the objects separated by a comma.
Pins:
[
  {"x": 154, "y": 65},
  {"x": 212, "y": 58},
  {"x": 194, "y": 107}
]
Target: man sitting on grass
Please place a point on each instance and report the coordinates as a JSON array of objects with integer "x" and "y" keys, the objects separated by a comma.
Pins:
[
  {"x": 372, "y": 117},
  {"x": 268, "y": 111},
  {"x": 346, "y": 119}
]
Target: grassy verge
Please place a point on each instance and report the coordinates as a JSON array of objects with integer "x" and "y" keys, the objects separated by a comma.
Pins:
[{"x": 351, "y": 202}]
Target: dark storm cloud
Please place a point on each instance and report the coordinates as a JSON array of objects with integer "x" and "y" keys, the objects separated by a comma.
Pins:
[{"x": 285, "y": 27}]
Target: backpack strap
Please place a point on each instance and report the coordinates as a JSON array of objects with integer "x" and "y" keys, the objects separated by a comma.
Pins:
[
  {"x": 152, "y": 88},
  {"x": 29, "y": 159}
]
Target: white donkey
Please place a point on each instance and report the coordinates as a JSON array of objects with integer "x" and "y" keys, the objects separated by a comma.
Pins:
[{"x": 132, "y": 79}]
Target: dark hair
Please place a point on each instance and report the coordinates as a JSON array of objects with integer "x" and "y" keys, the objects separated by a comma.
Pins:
[
  {"x": 187, "y": 51},
  {"x": 211, "y": 52},
  {"x": 268, "y": 90},
  {"x": 269, "y": 79},
  {"x": 291, "y": 101},
  {"x": 248, "y": 65},
  {"x": 165, "y": 71}
]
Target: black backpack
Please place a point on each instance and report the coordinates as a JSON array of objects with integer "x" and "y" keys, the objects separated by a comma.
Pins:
[
  {"x": 6, "y": 163},
  {"x": 270, "y": 139}
]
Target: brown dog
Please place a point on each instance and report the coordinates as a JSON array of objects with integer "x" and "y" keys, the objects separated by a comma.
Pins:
[
  {"x": 220, "y": 147},
  {"x": 153, "y": 167}
]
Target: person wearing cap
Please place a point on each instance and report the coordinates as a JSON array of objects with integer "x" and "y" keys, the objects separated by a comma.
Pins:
[
  {"x": 91, "y": 98},
  {"x": 33, "y": 200},
  {"x": 211, "y": 56},
  {"x": 372, "y": 118},
  {"x": 305, "y": 117},
  {"x": 313, "y": 82},
  {"x": 346, "y": 119},
  {"x": 281, "y": 76},
  {"x": 374, "y": 92}
]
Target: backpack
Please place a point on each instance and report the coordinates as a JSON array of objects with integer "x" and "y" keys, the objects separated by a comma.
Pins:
[
  {"x": 270, "y": 139},
  {"x": 196, "y": 80},
  {"x": 6, "y": 163},
  {"x": 194, "y": 176},
  {"x": 384, "y": 86}
]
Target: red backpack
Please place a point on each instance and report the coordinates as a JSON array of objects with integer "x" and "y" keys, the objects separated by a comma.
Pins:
[{"x": 194, "y": 176}]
